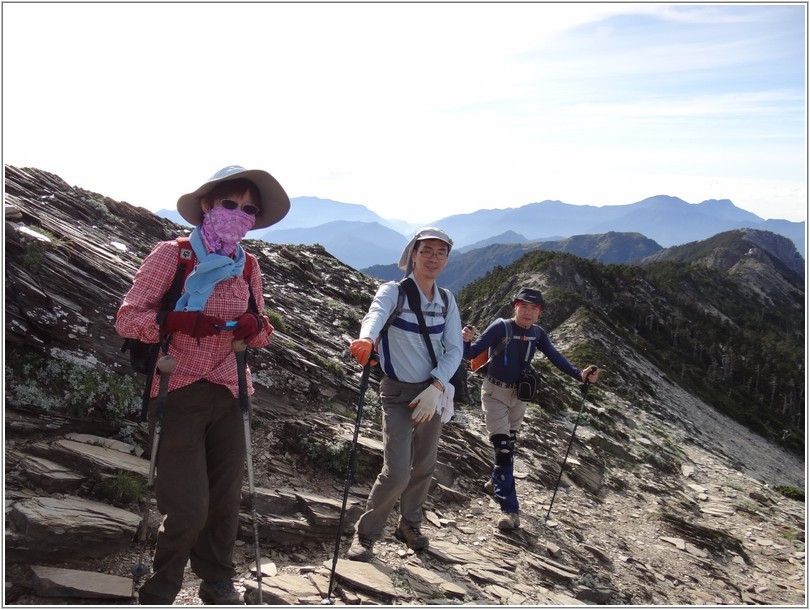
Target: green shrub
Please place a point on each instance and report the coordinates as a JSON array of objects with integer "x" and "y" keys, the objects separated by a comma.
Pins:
[
  {"x": 333, "y": 456},
  {"x": 69, "y": 386},
  {"x": 791, "y": 492},
  {"x": 335, "y": 367},
  {"x": 276, "y": 320},
  {"x": 122, "y": 488},
  {"x": 35, "y": 248}
]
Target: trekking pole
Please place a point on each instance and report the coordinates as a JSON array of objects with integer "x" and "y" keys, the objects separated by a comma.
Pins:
[
  {"x": 349, "y": 475},
  {"x": 571, "y": 440},
  {"x": 240, "y": 350},
  {"x": 166, "y": 365}
]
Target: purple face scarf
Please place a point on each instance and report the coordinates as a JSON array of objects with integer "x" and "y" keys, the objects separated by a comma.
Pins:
[{"x": 222, "y": 229}]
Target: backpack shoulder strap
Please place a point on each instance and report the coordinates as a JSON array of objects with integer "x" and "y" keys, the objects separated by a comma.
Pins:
[
  {"x": 497, "y": 349},
  {"x": 501, "y": 346},
  {"x": 397, "y": 309},
  {"x": 415, "y": 303},
  {"x": 508, "y": 325},
  {"x": 507, "y": 337},
  {"x": 445, "y": 300},
  {"x": 186, "y": 252},
  {"x": 252, "y": 305},
  {"x": 185, "y": 264},
  {"x": 408, "y": 286}
]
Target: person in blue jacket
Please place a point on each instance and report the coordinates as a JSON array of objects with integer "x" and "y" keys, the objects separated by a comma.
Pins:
[{"x": 511, "y": 345}]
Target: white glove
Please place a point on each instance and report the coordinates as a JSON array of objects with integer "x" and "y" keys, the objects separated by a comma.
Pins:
[{"x": 424, "y": 405}]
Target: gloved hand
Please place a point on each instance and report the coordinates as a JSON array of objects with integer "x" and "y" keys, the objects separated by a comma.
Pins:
[
  {"x": 248, "y": 325},
  {"x": 361, "y": 350},
  {"x": 424, "y": 405},
  {"x": 193, "y": 323}
]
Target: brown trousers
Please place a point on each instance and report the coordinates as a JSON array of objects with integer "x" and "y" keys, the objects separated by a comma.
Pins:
[{"x": 200, "y": 466}]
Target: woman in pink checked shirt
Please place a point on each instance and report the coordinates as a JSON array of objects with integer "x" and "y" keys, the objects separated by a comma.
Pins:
[{"x": 201, "y": 452}]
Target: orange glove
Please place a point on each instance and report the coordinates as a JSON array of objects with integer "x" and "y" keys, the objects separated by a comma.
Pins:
[{"x": 361, "y": 349}]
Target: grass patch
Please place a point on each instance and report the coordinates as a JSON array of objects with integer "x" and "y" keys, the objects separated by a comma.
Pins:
[
  {"x": 276, "y": 320},
  {"x": 122, "y": 488}
]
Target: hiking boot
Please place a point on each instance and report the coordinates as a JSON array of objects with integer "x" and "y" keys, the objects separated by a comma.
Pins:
[
  {"x": 362, "y": 549},
  {"x": 411, "y": 535},
  {"x": 220, "y": 593},
  {"x": 508, "y": 521},
  {"x": 489, "y": 487}
]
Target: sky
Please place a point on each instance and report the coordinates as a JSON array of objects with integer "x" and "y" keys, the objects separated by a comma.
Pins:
[{"x": 415, "y": 110}]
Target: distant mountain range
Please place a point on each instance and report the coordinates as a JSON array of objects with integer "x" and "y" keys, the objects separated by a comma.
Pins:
[
  {"x": 361, "y": 238},
  {"x": 466, "y": 266}
]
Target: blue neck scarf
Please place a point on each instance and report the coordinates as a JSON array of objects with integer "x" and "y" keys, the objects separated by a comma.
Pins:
[{"x": 210, "y": 269}]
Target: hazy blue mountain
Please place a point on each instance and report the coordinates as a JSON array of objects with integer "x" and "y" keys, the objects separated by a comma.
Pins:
[
  {"x": 358, "y": 244},
  {"x": 464, "y": 267},
  {"x": 508, "y": 237},
  {"x": 314, "y": 211},
  {"x": 306, "y": 212},
  {"x": 664, "y": 219},
  {"x": 667, "y": 220}
]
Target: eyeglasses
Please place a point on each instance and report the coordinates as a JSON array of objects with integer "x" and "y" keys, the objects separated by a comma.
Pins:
[
  {"x": 230, "y": 204},
  {"x": 430, "y": 253}
]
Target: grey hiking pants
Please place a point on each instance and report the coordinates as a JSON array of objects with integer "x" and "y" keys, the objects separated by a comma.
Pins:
[
  {"x": 409, "y": 459},
  {"x": 503, "y": 410},
  {"x": 200, "y": 466}
]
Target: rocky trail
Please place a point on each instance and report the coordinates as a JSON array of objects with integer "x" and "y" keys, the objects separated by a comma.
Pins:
[{"x": 693, "y": 531}]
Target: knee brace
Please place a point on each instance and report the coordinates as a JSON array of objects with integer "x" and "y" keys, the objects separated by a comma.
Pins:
[
  {"x": 503, "y": 449},
  {"x": 512, "y": 439}
]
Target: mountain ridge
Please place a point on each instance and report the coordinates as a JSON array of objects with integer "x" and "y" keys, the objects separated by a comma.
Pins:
[
  {"x": 664, "y": 219},
  {"x": 609, "y": 248}
]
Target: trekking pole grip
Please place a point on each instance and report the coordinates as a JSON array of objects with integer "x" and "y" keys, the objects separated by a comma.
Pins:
[
  {"x": 238, "y": 345},
  {"x": 584, "y": 387}
]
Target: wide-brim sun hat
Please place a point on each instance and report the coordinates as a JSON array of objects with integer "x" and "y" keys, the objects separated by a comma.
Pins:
[
  {"x": 406, "y": 260},
  {"x": 528, "y": 295},
  {"x": 274, "y": 200}
]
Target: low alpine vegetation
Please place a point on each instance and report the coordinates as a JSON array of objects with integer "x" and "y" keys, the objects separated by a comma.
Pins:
[{"x": 73, "y": 387}]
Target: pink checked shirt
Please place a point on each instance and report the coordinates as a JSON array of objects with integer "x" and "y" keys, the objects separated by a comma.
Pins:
[{"x": 213, "y": 359}]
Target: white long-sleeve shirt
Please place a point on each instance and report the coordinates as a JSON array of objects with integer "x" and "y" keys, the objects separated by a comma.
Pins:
[{"x": 402, "y": 350}]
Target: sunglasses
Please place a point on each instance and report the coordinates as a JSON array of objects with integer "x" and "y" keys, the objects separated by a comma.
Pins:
[{"x": 230, "y": 204}]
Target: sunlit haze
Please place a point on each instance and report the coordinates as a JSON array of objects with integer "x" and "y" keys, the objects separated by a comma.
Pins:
[{"x": 415, "y": 110}]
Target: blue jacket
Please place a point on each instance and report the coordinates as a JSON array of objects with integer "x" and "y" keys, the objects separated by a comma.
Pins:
[{"x": 510, "y": 363}]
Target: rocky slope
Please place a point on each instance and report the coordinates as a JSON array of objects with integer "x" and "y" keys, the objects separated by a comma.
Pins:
[{"x": 662, "y": 501}]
